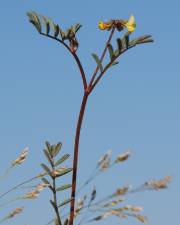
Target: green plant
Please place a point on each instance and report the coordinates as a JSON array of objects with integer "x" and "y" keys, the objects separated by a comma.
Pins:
[
  {"x": 48, "y": 28},
  {"x": 88, "y": 207}
]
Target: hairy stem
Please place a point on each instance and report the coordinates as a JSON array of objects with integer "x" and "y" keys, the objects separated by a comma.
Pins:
[{"x": 75, "y": 160}]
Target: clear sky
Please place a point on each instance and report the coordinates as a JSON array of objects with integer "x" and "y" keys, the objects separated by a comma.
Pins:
[{"x": 136, "y": 106}]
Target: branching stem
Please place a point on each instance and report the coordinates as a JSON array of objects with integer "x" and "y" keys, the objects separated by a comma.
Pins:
[
  {"x": 78, "y": 131},
  {"x": 102, "y": 56}
]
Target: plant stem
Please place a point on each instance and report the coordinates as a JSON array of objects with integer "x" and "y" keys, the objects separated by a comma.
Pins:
[
  {"x": 55, "y": 197},
  {"x": 102, "y": 56},
  {"x": 75, "y": 160},
  {"x": 87, "y": 91},
  {"x": 55, "y": 201}
]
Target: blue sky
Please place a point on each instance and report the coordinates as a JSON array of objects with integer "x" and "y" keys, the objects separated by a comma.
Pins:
[{"x": 135, "y": 107}]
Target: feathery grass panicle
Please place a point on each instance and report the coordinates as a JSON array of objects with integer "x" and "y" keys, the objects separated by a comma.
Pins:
[
  {"x": 123, "y": 156},
  {"x": 122, "y": 190},
  {"x": 31, "y": 195},
  {"x": 141, "y": 218},
  {"x": 18, "y": 161},
  {"x": 158, "y": 184},
  {"x": 105, "y": 157},
  {"x": 21, "y": 158},
  {"x": 12, "y": 214}
]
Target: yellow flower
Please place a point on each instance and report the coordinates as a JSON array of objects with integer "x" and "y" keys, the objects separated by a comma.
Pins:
[
  {"x": 130, "y": 24},
  {"x": 104, "y": 26}
]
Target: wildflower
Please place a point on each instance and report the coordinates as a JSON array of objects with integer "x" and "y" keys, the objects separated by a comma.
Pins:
[
  {"x": 119, "y": 24},
  {"x": 105, "y": 26},
  {"x": 130, "y": 24},
  {"x": 21, "y": 157}
]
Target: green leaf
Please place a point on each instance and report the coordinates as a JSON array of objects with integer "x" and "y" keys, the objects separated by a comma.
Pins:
[
  {"x": 65, "y": 202},
  {"x": 56, "y": 149},
  {"x": 99, "y": 64},
  {"x": 48, "y": 146},
  {"x": 34, "y": 19},
  {"x": 144, "y": 39},
  {"x": 69, "y": 33},
  {"x": 62, "y": 34},
  {"x": 125, "y": 41},
  {"x": 111, "y": 52},
  {"x": 141, "y": 40},
  {"x": 62, "y": 159},
  {"x": 64, "y": 187},
  {"x": 133, "y": 42},
  {"x": 119, "y": 44},
  {"x": 56, "y": 30},
  {"x": 150, "y": 40},
  {"x": 63, "y": 172},
  {"x": 48, "y": 156},
  {"x": 77, "y": 27},
  {"x": 45, "y": 181},
  {"x": 51, "y": 149},
  {"x": 47, "y": 24},
  {"x": 46, "y": 168},
  {"x": 114, "y": 63}
]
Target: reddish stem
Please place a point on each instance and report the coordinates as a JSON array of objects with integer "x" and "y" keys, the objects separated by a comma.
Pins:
[
  {"x": 78, "y": 131},
  {"x": 75, "y": 160}
]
